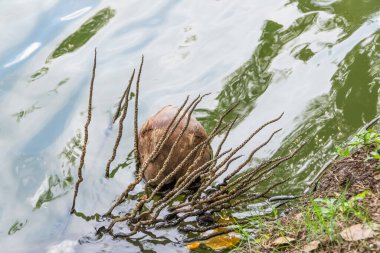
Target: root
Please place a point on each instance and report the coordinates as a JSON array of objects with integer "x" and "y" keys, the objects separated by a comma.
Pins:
[
  {"x": 136, "y": 113},
  {"x": 84, "y": 147},
  {"x": 121, "y": 121},
  {"x": 210, "y": 197}
]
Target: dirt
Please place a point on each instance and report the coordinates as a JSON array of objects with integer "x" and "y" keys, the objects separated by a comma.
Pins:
[{"x": 352, "y": 175}]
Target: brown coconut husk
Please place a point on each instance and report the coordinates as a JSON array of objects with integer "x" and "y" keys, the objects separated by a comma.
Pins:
[{"x": 150, "y": 134}]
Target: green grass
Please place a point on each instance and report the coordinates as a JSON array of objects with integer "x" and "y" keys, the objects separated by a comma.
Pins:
[
  {"x": 368, "y": 139},
  {"x": 324, "y": 216},
  {"x": 320, "y": 219},
  {"x": 251, "y": 232}
]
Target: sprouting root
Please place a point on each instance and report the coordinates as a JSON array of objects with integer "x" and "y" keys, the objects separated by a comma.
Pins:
[
  {"x": 226, "y": 180},
  {"x": 89, "y": 114}
]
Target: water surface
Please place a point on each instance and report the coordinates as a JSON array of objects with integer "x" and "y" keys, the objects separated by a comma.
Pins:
[{"x": 316, "y": 61}]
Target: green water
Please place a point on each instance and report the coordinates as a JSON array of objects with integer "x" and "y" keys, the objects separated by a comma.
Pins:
[{"x": 316, "y": 61}]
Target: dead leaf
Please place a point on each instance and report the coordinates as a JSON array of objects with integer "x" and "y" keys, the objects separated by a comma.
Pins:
[
  {"x": 222, "y": 241},
  {"x": 283, "y": 240},
  {"x": 376, "y": 227},
  {"x": 311, "y": 246},
  {"x": 377, "y": 177},
  {"x": 298, "y": 216},
  {"x": 193, "y": 245},
  {"x": 357, "y": 232}
]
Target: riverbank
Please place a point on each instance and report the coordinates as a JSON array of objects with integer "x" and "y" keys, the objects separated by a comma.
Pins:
[{"x": 342, "y": 215}]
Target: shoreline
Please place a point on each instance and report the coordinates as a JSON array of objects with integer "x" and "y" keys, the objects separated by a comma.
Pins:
[{"x": 342, "y": 214}]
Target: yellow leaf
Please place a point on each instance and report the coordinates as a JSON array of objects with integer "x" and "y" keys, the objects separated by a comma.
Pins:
[
  {"x": 193, "y": 245},
  {"x": 222, "y": 241}
]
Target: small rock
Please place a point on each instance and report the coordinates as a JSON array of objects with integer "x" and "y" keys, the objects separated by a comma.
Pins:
[
  {"x": 283, "y": 240},
  {"x": 311, "y": 246},
  {"x": 357, "y": 232}
]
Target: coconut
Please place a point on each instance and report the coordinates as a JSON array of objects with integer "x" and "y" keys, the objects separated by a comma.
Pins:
[{"x": 150, "y": 134}]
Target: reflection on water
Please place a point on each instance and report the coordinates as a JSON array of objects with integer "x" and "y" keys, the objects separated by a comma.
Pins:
[
  {"x": 56, "y": 185},
  {"x": 47, "y": 194},
  {"x": 23, "y": 113},
  {"x": 25, "y": 54},
  {"x": 83, "y": 34},
  {"x": 318, "y": 61},
  {"x": 39, "y": 73},
  {"x": 16, "y": 227},
  {"x": 251, "y": 80},
  {"x": 78, "y": 38},
  {"x": 330, "y": 119},
  {"x": 349, "y": 15}
]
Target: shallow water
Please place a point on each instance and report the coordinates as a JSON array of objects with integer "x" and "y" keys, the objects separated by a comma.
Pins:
[{"x": 316, "y": 61}]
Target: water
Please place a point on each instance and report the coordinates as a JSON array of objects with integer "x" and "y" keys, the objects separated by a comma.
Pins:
[{"x": 317, "y": 61}]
